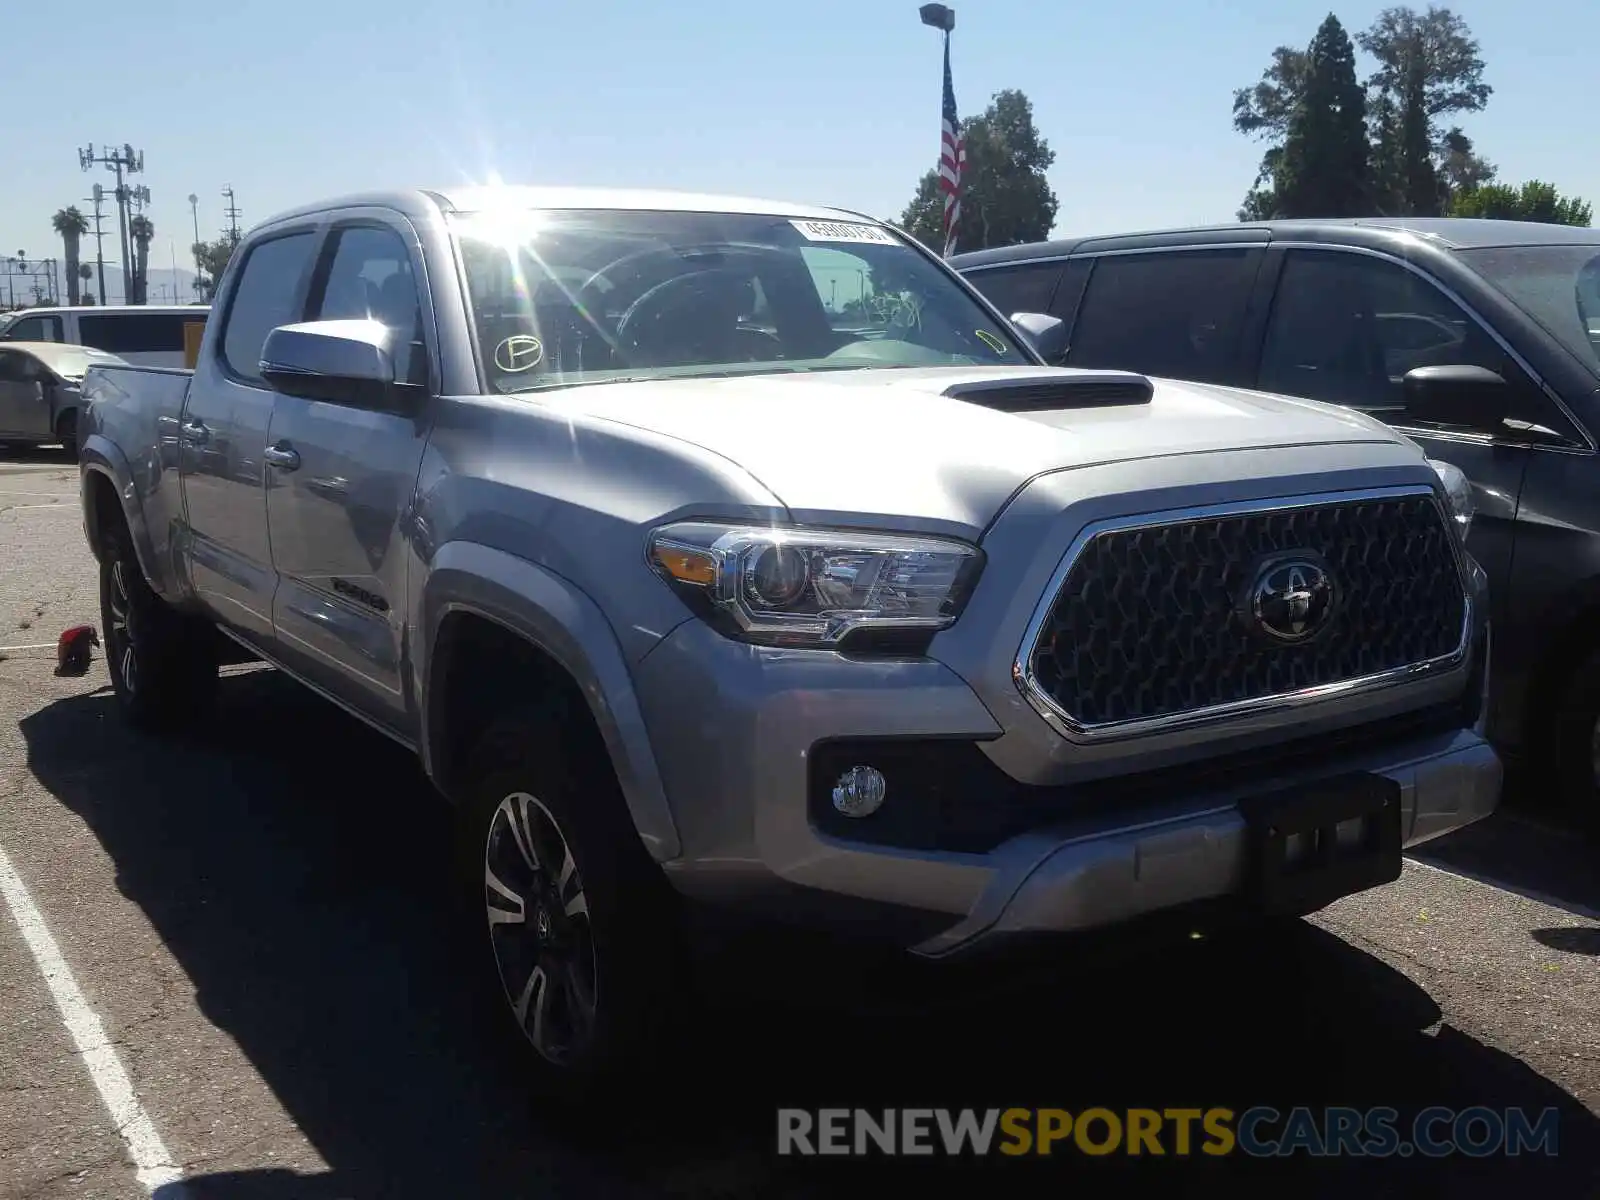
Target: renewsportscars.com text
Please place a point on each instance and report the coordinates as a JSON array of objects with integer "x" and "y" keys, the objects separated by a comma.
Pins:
[{"x": 1258, "y": 1132}]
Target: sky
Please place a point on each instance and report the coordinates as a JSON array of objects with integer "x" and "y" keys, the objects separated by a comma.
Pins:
[{"x": 831, "y": 101}]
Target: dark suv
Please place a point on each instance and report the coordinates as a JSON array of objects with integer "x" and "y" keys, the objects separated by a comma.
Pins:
[{"x": 1480, "y": 340}]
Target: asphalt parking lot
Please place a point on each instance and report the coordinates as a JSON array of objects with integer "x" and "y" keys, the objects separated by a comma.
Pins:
[{"x": 255, "y": 918}]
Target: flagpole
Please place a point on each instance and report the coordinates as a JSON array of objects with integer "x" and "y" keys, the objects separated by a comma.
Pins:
[{"x": 943, "y": 18}]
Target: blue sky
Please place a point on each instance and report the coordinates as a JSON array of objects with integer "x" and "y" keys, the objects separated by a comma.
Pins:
[{"x": 832, "y": 101}]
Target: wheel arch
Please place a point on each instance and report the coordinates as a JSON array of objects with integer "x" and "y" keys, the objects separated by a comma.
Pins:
[{"x": 490, "y": 623}]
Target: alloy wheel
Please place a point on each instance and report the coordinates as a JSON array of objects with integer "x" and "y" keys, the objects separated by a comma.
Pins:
[
  {"x": 539, "y": 929},
  {"x": 119, "y": 634}
]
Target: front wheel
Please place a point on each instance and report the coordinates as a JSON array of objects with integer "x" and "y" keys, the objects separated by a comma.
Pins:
[
  {"x": 163, "y": 669},
  {"x": 580, "y": 942}
]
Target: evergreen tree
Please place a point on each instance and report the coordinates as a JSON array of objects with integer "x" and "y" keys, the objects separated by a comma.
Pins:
[{"x": 1323, "y": 171}]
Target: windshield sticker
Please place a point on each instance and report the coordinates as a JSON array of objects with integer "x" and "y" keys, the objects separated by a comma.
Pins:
[
  {"x": 839, "y": 231},
  {"x": 989, "y": 340},
  {"x": 520, "y": 352}
]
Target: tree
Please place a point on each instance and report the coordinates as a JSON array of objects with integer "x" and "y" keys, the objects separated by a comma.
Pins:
[
  {"x": 1005, "y": 198},
  {"x": 1322, "y": 171},
  {"x": 85, "y": 273},
  {"x": 1533, "y": 201},
  {"x": 213, "y": 259},
  {"x": 1264, "y": 112},
  {"x": 141, "y": 229},
  {"x": 1427, "y": 68},
  {"x": 72, "y": 225}
]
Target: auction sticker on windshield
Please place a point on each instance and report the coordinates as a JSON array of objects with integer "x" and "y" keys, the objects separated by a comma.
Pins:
[{"x": 842, "y": 231}]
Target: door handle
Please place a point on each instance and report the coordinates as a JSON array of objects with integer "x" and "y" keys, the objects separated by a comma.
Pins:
[
  {"x": 283, "y": 457},
  {"x": 196, "y": 433}
]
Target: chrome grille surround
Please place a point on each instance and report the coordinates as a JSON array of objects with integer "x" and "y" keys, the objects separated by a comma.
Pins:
[{"x": 1075, "y": 728}]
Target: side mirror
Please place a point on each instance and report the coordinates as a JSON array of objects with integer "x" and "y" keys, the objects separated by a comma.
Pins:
[
  {"x": 1046, "y": 334},
  {"x": 1474, "y": 398},
  {"x": 345, "y": 362}
]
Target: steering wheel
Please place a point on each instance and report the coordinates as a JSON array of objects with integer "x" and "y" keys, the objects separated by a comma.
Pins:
[{"x": 637, "y": 322}]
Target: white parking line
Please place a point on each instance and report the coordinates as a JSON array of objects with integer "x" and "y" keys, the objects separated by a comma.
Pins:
[
  {"x": 154, "y": 1166},
  {"x": 1577, "y": 910},
  {"x": 63, "y": 506}
]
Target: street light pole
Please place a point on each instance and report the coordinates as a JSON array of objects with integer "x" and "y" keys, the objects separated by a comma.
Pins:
[{"x": 194, "y": 210}]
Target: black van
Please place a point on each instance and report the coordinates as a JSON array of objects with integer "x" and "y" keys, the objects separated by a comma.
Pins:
[{"x": 1480, "y": 340}]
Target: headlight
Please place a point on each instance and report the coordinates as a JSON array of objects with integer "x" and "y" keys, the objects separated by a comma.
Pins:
[
  {"x": 1458, "y": 491},
  {"x": 814, "y": 587}
]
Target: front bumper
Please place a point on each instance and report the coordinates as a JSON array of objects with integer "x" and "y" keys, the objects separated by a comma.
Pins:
[
  {"x": 1074, "y": 878},
  {"x": 743, "y": 736}
]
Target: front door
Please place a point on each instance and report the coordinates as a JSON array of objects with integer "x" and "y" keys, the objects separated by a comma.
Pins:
[
  {"x": 1346, "y": 327},
  {"x": 223, "y": 435},
  {"x": 24, "y": 398},
  {"x": 344, "y": 477}
]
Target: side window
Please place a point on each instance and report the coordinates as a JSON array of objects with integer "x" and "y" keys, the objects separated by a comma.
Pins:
[
  {"x": 11, "y": 368},
  {"x": 264, "y": 298},
  {"x": 369, "y": 276},
  {"x": 1345, "y": 328},
  {"x": 133, "y": 332},
  {"x": 1025, "y": 287},
  {"x": 1176, "y": 314},
  {"x": 35, "y": 329}
]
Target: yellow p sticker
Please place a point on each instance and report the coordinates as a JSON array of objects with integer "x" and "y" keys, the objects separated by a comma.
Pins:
[{"x": 989, "y": 340}]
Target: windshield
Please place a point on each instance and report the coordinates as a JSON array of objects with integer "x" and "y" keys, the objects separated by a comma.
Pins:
[
  {"x": 566, "y": 297},
  {"x": 1558, "y": 286}
]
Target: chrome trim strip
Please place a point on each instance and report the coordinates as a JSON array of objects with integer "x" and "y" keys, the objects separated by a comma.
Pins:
[{"x": 1083, "y": 733}]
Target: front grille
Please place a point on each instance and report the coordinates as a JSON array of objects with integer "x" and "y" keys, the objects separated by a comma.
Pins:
[{"x": 1155, "y": 621}]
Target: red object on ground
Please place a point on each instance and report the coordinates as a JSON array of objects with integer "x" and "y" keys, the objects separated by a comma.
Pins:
[{"x": 72, "y": 650}]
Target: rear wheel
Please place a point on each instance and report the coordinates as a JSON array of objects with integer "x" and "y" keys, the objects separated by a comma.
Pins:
[
  {"x": 163, "y": 664},
  {"x": 579, "y": 936}
]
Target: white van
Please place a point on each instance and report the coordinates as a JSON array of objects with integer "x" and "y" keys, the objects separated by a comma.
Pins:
[{"x": 148, "y": 334}]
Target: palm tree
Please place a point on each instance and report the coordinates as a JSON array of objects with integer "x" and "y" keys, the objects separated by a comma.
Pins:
[
  {"x": 142, "y": 229},
  {"x": 85, "y": 273},
  {"x": 71, "y": 225}
]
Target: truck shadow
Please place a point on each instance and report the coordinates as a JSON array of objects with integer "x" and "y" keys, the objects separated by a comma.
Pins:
[{"x": 293, "y": 863}]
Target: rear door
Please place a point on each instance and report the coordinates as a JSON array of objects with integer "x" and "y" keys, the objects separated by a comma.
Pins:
[
  {"x": 343, "y": 480},
  {"x": 223, "y": 434},
  {"x": 1345, "y": 327},
  {"x": 1169, "y": 312}
]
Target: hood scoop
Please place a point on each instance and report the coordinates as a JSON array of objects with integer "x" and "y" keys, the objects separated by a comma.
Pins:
[{"x": 1080, "y": 389}]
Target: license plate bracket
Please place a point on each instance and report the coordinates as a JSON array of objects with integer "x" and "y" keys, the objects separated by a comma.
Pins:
[{"x": 1345, "y": 833}]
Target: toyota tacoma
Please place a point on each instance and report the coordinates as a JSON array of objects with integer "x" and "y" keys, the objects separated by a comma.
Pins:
[{"x": 738, "y": 552}]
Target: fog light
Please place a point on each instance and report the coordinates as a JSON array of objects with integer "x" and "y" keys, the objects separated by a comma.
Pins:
[{"x": 860, "y": 791}]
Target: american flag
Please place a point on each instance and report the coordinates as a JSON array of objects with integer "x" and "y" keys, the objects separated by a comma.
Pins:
[{"x": 952, "y": 159}]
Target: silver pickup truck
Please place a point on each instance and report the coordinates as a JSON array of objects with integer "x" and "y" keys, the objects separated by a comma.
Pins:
[{"x": 725, "y": 551}]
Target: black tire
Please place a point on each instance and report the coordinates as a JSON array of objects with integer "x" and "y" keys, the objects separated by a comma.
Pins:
[
  {"x": 1573, "y": 765},
  {"x": 67, "y": 431},
  {"x": 600, "y": 983},
  {"x": 163, "y": 664}
]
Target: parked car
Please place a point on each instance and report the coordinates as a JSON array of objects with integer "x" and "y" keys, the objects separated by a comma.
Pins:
[
  {"x": 40, "y": 394},
  {"x": 146, "y": 334},
  {"x": 1476, "y": 339},
  {"x": 683, "y": 595}
]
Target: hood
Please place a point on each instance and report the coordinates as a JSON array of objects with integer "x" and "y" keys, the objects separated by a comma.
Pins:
[{"x": 889, "y": 442}]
